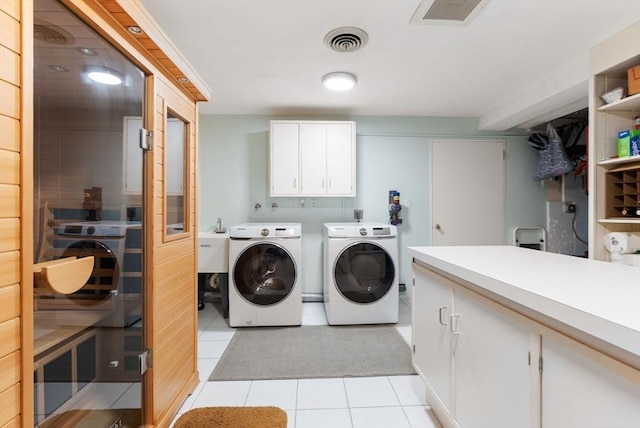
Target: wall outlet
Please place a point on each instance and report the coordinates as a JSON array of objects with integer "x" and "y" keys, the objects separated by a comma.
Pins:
[
  {"x": 570, "y": 207},
  {"x": 358, "y": 214}
]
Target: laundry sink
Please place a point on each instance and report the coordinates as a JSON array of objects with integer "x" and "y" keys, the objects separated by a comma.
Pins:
[{"x": 213, "y": 252}]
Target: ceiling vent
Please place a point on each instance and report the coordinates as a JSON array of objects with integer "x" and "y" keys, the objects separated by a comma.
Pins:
[
  {"x": 47, "y": 32},
  {"x": 447, "y": 12},
  {"x": 346, "y": 39}
]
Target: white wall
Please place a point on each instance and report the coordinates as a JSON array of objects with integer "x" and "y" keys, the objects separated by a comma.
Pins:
[{"x": 392, "y": 154}]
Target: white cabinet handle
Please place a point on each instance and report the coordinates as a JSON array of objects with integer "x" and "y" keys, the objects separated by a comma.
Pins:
[
  {"x": 323, "y": 183},
  {"x": 294, "y": 183},
  {"x": 329, "y": 183},
  {"x": 441, "y": 312},
  {"x": 454, "y": 318}
]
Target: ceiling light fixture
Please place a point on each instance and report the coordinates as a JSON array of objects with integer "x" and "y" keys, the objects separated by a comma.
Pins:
[
  {"x": 86, "y": 51},
  {"x": 104, "y": 75},
  {"x": 134, "y": 29},
  {"x": 59, "y": 68},
  {"x": 339, "y": 81}
]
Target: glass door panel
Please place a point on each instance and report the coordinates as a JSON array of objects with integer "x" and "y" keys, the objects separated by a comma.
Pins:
[
  {"x": 364, "y": 273},
  {"x": 175, "y": 170},
  {"x": 87, "y": 338},
  {"x": 264, "y": 274}
]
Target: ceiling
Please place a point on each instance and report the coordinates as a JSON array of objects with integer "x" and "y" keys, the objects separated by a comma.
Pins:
[{"x": 515, "y": 62}]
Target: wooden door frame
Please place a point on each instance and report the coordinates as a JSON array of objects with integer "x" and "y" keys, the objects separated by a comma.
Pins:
[{"x": 26, "y": 211}]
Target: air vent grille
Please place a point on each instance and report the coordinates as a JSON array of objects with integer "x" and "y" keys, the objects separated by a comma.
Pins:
[
  {"x": 50, "y": 33},
  {"x": 346, "y": 39},
  {"x": 451, "y": 12}
]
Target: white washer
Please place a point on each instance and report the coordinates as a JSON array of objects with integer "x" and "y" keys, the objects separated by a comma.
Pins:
[
  {"x": 265, "y": 271},
  {"x": 360, "y": 284}
]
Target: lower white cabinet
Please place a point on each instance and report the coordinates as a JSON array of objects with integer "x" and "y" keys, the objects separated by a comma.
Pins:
[
  {"x": 579, "y": 392},
  {"x": 485, "y": 365},
  {"x": 432, "y": 339},
  {"x": 491, "y": 366},
  {"x": 474, "y": 358}
]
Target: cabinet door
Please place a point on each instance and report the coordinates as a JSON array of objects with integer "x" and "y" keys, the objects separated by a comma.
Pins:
[
  {"x": 340, "y": 159},
  {"x": 284, "y": 159},
  {"x": 432, "y": 305},
  {"x": 577, "y": 392},
  {"x": 313, "y": 158},
  {"x": 491, "y": 366}
]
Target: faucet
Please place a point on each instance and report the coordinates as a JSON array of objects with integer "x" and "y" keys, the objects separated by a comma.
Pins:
[{"x": 219, "y": 225}]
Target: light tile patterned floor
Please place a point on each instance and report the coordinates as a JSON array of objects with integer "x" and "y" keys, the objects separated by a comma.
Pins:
[{"x": 384, "y": 402}]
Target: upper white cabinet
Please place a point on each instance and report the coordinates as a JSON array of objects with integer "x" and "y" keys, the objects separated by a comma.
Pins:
[
  {"x": 614, "y": 183},
  {"x": 312, "y": 158},
  {"x": 284, "y": 159}
]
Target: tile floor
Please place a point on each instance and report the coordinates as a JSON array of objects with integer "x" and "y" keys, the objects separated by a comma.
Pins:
[{"x": 369, "y": 402}]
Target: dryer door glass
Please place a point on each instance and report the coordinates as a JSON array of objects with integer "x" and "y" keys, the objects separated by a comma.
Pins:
[
  {"x": 264, "y": 274},
  {"x": 363, "y": 272}
]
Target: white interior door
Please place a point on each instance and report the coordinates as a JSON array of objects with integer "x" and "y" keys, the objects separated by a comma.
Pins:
[{"x": 468, "y": 192}]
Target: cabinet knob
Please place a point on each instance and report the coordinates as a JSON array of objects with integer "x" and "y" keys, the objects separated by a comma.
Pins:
[{"x": 437, "y": 227}]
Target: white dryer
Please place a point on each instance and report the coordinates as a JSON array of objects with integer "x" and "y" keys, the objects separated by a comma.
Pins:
[
  {"x": 360, "y": 283},
  {"x": 265, "y": 272},
  {"x": 115, "y": 284}
]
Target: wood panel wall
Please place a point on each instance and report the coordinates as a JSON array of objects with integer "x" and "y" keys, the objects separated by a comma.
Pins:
[
  {"x": 170, "y": 261},
  {"x": 173, "y": 306},
  {"x": 16, "y": 187}
]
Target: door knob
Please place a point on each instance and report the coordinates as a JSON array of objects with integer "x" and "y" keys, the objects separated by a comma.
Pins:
[{"x": 437, "y": 227}]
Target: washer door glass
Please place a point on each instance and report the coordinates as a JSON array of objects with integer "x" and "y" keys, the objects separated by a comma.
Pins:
[
  {"x": 104, "y": 277},
  {"x": 364, "y": 272},
  {"x": 264, "y": 274}
]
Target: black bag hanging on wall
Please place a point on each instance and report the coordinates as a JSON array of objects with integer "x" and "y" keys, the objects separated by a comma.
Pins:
[{"x": 552, "y": 159}]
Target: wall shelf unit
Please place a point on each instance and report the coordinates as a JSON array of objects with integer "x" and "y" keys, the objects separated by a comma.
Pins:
[
  {"x": 622, "y": 188},
  {"x": 614, "y": 183}
]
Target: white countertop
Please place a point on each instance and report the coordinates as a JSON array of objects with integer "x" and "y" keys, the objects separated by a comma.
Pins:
[{"x": 598, "y": 298}]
